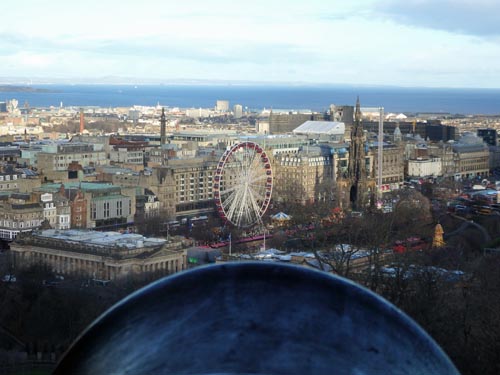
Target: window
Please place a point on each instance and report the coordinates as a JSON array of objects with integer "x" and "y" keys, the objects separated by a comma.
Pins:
[{"x": 106, "y": 209}]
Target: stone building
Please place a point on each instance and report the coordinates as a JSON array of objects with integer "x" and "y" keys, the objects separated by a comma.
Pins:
[
  {"x": 425, "y": 167},
  {"x": 472, "y": 157},
  {"x": 304, "y": 176},
  {"x": 98, "y": 255},
  {"x": 431, "y": 130},
  {"x": 280, "y": 123},
  {"x": 392, "y": 165},
  {"x": 54, "y": 162},
  {"x": 9, "y": 154},
  {"x": 125, "y": 151},
  {"x": 97, "y": 205},
  {"x": 19, "y": 213},
  {"x": 183, "y": 186},
  {"x": 21, "y": 180}
]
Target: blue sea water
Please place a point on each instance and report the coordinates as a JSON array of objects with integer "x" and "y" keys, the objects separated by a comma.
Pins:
[{"x": 393, "y": 99}]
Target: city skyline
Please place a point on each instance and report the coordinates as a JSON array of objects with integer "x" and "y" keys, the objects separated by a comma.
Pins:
[{"x": 372, "y": 42}]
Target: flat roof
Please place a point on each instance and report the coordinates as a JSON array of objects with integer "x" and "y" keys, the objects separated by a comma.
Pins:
[
  {"x": 115, "y": 239},
  {"x": 321, "y": 127},
  {"x": 78, "y": 185}
]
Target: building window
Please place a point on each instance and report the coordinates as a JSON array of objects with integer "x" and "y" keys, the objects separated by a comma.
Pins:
[{"x": 106, "y": 209}]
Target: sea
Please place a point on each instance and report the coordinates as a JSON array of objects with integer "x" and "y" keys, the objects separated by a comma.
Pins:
[{"x": 259, "y": 97}]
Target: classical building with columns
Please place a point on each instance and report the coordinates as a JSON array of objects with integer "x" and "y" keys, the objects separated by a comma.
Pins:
[{"x": 98, "y": 255}]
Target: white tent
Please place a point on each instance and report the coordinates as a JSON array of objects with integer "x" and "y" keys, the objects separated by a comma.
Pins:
[{"x": 281, "y": 216}]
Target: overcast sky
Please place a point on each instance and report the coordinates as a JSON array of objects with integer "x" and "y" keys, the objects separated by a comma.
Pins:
[{"x": 444, "y": 43}]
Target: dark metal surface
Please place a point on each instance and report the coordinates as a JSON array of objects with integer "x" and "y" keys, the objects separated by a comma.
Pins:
[{"x": 254, "y": 318}]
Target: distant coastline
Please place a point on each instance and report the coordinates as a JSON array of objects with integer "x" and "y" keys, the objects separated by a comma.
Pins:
[
  {"x": 256, "y": 98},
  {"x": 11, "y": 88}
]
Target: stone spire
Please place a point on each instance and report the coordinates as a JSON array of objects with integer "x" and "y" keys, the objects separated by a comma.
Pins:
[
  {"x": 356, "y": 170},
  {"x": 357, "y": 113},
  {"x": 163, "y": 122}
]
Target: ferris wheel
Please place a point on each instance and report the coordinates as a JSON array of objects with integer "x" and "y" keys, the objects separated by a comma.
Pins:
[{"x": 243, "y": 184}]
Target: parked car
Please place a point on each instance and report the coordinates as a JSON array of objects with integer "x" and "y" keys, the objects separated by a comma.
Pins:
[{"x": 9, "y": 279}]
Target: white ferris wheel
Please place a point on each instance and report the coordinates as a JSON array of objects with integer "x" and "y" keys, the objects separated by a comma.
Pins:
[{"x": 243, "y": 184}]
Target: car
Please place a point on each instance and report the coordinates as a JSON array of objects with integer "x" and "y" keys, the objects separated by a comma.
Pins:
[{"x": 9, "y": 279}]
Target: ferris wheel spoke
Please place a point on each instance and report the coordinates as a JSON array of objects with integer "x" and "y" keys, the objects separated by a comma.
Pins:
[
  {"x": 257, "y": 195},
  {"x": 230, "y": 206},
  {"x": 230, "y": 190},
  {"x": 243, "y": 208},
  {"x": 257, "y": 178},
  {"x": 249, "y": 207},
  {"x": 234, "y": 203},
  {"x": 250, "y": 158},
  {"x": 227, "y": 203},
  {"x": 255, "y": 206}
]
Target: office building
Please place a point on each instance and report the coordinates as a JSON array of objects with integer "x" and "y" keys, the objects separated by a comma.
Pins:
[{"x": 489, "y": 136}]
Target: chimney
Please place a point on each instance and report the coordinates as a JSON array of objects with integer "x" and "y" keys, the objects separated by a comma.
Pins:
[{"x": 82, "y": 122}]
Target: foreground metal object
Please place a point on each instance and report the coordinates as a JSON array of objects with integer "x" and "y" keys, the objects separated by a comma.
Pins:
[{"x": 254, "y": 318}]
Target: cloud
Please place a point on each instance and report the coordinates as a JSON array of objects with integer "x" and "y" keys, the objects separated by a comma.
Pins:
[
  {"x": 161, "y": 48},
  {"x": 470, "y": 17}
]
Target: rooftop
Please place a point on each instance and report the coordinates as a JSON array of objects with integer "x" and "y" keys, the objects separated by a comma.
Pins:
[
  {"x": 85, "y": 186},
  {"x": 90, "y": 238},
  {"x": 321, "y": 127}
]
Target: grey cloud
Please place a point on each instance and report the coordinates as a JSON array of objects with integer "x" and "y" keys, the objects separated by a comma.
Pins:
[{"x": 469, "y": 17}]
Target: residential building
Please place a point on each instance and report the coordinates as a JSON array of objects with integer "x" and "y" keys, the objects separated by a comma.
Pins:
[
  {"x": 97, "y": 205},
  {"x": 147, "y": 204},
  {"x": 18, "y": 213},
  {"x": 49, "y": 209},
  {"x": 9, "y": 154},
  {"x": 124, "y": 151},
  {"x": 54, "y": 165},
  {"x": 63, "y": 210}
]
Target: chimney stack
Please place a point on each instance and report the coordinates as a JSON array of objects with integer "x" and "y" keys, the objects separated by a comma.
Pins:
[{"x": 82, "y": 121}]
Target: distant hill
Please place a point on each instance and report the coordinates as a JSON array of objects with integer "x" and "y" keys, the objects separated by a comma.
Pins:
[{"x": 10, "y": 88}]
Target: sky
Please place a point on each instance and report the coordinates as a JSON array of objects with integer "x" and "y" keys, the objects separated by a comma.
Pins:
[{"x": 424, "y": 43}]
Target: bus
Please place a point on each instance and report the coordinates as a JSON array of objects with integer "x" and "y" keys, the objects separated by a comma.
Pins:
[{"x": 411, "y": 243}]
